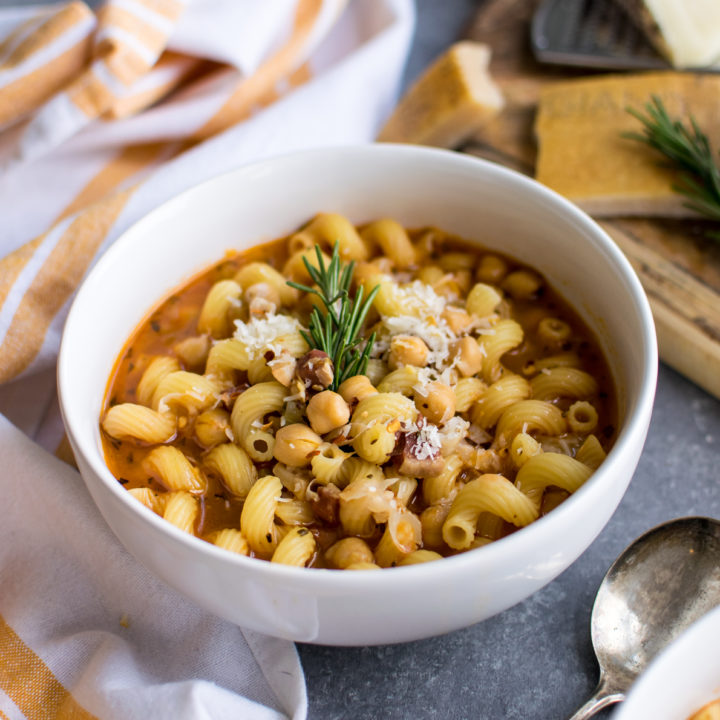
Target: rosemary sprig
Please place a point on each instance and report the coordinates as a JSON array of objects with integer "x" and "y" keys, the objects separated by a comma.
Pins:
[
  {"x": 336, "y": 330},
  {"x": 689, "y": 149}
]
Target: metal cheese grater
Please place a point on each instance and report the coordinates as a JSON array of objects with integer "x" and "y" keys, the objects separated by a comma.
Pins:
[{"x": 592, "y": 33}]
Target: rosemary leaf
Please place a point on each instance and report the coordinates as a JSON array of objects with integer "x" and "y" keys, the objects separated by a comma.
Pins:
[
  {"x": 690, "y": 150},
  {"x": 336, "y": 331}
]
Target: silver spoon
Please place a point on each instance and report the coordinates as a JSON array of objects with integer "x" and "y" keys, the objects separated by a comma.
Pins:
[{"x": 661, "y": 584}]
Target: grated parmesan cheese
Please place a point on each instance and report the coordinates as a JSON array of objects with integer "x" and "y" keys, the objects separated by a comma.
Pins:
[
  {"x": 433, "y": 331},
  {"x": 454, "y": 430},
  {"x": 429, "y": 441},
  {"x": 259, "y": 333},
  {"x": 420, "y": 297}
]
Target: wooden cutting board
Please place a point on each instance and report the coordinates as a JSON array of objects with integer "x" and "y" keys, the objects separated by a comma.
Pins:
[{"x": 678, "y": 265}]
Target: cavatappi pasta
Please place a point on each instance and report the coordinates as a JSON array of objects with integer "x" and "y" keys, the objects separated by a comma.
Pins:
[{"x": 485, "y": 403}]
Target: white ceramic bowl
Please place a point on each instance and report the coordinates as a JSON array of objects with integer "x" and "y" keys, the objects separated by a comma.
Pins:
[
  {"x": 683, "y": 678},
  {"x": 474, "y": 199}
]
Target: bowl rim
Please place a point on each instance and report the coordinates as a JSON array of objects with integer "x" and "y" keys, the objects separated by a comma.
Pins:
[
  {"x": 633, "y": 425},
  {"x": 683, "y": 649}
]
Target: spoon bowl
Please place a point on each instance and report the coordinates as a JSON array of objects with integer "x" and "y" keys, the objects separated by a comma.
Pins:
[{"x": 663, "y": 582}]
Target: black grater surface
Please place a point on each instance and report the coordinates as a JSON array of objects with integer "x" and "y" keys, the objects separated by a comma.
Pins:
[{"x": 592, "y": 33}]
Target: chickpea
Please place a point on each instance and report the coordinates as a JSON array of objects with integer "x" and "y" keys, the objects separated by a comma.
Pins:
[
  {"x": 553, "y": 330},
  {"x": 454, "y": 261},
  {"x": 522, "y": 284},
  {"x": 458, "y": 320},
  {"x": 436, "y": 402},
  {"x": 390, "y": 235},
  {"x": 408, "y": 350},
  {"x": 469, "y": 356},
  {"x": 464, "y": 280},
  {"x": 492, "y": 269},
  {"x": 193, "y": 351},
  {"x": 294, "y": 443},
  {"x": 326, "y": 411},
  {"x": 365, "y": 272},
  {"x": 300, "y": 241},
  {"x": 356, "y": 388},
  {"x": 348, "y": 551},
  {"x": 430, "y": 274}
]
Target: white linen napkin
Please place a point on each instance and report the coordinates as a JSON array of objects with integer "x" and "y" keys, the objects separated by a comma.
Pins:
[{"x": 101, "y": 120}]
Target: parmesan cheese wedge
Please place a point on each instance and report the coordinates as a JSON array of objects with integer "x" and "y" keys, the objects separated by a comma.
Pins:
[
  {"x": 451, "y": 100},
  {"x": 686, "y": 32},
  {"x": 583, "y": 156}
]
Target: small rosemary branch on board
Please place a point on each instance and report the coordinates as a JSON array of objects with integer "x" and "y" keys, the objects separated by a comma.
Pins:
[
  {"x": 689, "y": 149},
  {"x": 336, "y": 331}
]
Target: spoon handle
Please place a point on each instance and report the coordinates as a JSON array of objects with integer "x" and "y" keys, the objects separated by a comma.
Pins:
[{"x": 601, "y": 698}]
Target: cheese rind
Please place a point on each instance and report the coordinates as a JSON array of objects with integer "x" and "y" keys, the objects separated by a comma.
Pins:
[
  {"x": 583, "y": 155},
  {"x": 450, "y": 101}
]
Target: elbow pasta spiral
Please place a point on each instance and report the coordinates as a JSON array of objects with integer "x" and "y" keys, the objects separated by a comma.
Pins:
[
  {"x": 563, "y": 382},
  {"x": 258, "y": 514},
  {"x": 392, "y": 238},
  {"x": 292, "y": 511},
  {"x": 226, "y": 356},
  {"x": 186, "y": 390},
  {"x": 154, "y": 373},
  {"x": 506, "y": 335},
  {"x": 174, "y": 470},
  {"x": 488, "y": 493},
  {"x": 550, "y": 469},
  {"x": 400, "y": 381},
  {"x": 482, "y": 300},
  {"x": 215, "y": 318},
  {"x": 401, "y": 537},
  {"x": 484, "y": 403},
  {"x": 504, "y": 393},
  {"x": 442, "y": 486},
  {"x": 246, "y": 418},
  {"x": 234, "y": 467},
  {"x": 296, "y": 548},
  {"x": 181, "y": 510},
  {"x": 530, "y": 416},
  {"x": 138, "y": 422},
  {"x": 582, "y": 418},
  {"x": 232, "y": 540},
  {"x": 327, "y": 464},
  {"x": 591, "y": 453},
  {"x": 467, "y": 392},
  {"x": 258, "y": 272},
  {"x": 330, "y": 228}
]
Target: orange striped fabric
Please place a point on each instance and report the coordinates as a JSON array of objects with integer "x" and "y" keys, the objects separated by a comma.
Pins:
[
  {"x": 42, "y": 55},
  {"x": 31, "y": 685}
]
